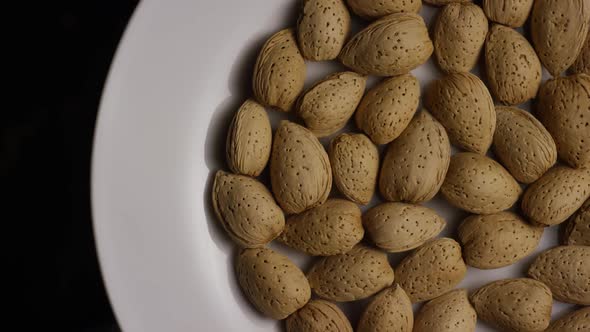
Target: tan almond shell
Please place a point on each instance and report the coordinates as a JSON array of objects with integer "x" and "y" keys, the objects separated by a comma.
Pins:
[
  {"x": 450, "y": 312},
  {"x": 463, "y": 105},
  {"x": 279, "y": 72},
  {"x": 577, "y": 230},
  {"x": 558, "y": 31},
  {"x": 582, "y": 63},
  {"x": 556, "y": 196},
  {"x": 246, "y": 210},
  {"x": 249, "y": 140},
  {"x": 397, "y": 227},
  {"x": 416, "y": 163},
  {"x": 459, "y": 34},
  {"x": 392, "y": 45},
  {"x": 386, "y": 109},
  {"x": 352, "y": 276},
  {"x": 390, "y": 310},
  {"x": 522, "y": 144},
  {"x": 372, "y": 9},
  {"x": 431, "y": 270},
  {"x": 512, "y": 13},
  {"x": 566, "y": 271},
  {"x": 563, "y": 106},
  {"x": 479, "y": 184},
  {"x": 328, "y": 229},
  {"x": 444, "y": 2},
  {"x": 355, "y": 165},
  {"x": 578, "y": 320},
  {"x": 497, "y": 240},
  {"x": 300, "y": 171},
  {"x": 318, "y": 316},
  {"x": 271, "y": 282},
  {"x": 512, "y": 66},
  {"x": 330, "y": 103},
  {"x": 521, "y": 304}
]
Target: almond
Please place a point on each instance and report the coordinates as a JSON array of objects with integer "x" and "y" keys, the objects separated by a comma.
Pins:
[
  {"x": 300, "y": 171},
  {"x": 512, "y": 13},
  {"x": 390, "y": 310},
  {"x": 246, "y": 210},
  {"x": 464, "y": 106},
  {"x": 355, "y": 275},
  {"x": 371, "y": 9},
  {"x": 444, "y": 2},
  {"x": 450, "y": 312},
  {"x": 355, "y": 165},
  {"x": 512, "y": 66},
  {"x": 577, "y": 230},
  {"x": 431, "y": 270},
  {"x": 566, "y": 270},
  {"x": 329, "y": 229},
  {"x": 387, "y": 109},
  {"x": 392, "y": 45},
  {"x": 397, "y": 227},
  {"x": 274, "y": 285},
  {"x": 279, "y": 72},
  {"x": 522, "y": 144},
  {"x": 416, "y": 163},
  {"x": 582, "y": 63},
  {"x": 318, "y": 316},
  {"x": 576, "y": 321},
  {"x": 478, "y": 184}
]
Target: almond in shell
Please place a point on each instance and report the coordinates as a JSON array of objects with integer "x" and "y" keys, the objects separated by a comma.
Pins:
[
  {"x": 445, "y": 2},
  {"x": 390, "y": 310},
  {"x": 450, "y": 312},
  {"x": 371, "y": 9},
  {"x": 582, "y": 63},
  {"x": 577, "y": 230},
  {"x": 576, "y": 321},
  {"x": 512, "y": 13},
  {"x": 318, "y": 316}
]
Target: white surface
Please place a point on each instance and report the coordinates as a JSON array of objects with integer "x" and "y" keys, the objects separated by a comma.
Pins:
[{"x": 182, "y": 69}]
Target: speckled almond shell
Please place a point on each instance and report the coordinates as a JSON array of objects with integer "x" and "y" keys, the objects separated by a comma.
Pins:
[
  {"x": 246, "y": 210},
  {"x": 566, "y": 271},
  {"x": 444, "y": 2},
  {"x": 577, "y": 321},
  {"x": 329, "y": 104},
  {"x": 392, "y": 45},
  {"x": 352, "y": 276},
  {"x": 397, "y": 227},
  {"x": 463, "y": 105},
  {"x": 497, "y": 240},
  {"x": 479, "y": 184},
  {"x": 371, "y": 9},
  {"x": 514, "y": 304},
  {"x": 450, "y": 312},
  {"x": 556, "y": 196},
  {"x": 431, "y": 270},
  {"x": 318, "y": 316},
  {"x": 415, "y": 164},
  {"x": 355, "y": 165},
  {"x": 512, "y": 66},
  {"x": 512, "y": 13},
  {"x": 387, "y": 109},
  {"x": 390, "y": 310},
  {"x": 582, "y": 63},
  {"x": 300, "y": 171},
  {"x": 279, "y": 72},
  {"x": 522, "y": 144},
  {"x": 272, "y": 283},
  {"x": 577, "y": 230},
  {"x": 459, "y": 34},
  {"x": 329, "y": 229}
]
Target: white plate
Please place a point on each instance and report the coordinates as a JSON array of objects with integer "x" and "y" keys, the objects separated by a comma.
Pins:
[{"x": 182, "y": 69}]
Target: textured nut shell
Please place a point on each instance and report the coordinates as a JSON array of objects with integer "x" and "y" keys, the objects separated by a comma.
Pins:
[
  {"x": 371, "y": 9},
  {"x": 459, "y": 34},
  {"x": 387, "y": 109},
  {"x": 329, "y": 229},
  {"x": 431, "y": 270},
  {"x": 318, "y": 316},
  {"x": 249, "y": 140},
  {"x": 444, "y": 2},
  {"x": 582, "y": 63},
  {"x": 496, "y": 240},
  {"x": 564, "y": 109},
  {"x": 512, "y": 66},
  {"x": 246, "y": 210},
  {"x": 274, "y": 285},
  {"x": 522, "y": 144},
  {"x": 478, "y": 184},
  {"x": 300, "y": 171},
  {"x": 512, "y": 13},
  {"x": 392, "y": 45},
  {"x": 415, "y": 164},
  {"x": 397, "y": 227},
  {"x": 355, "y": 275},
  {"x": 355, "y": 165},
  {"x": 450, "y": 312},
  {"x": 464, "y": 106},
  {"x": 279, "y": 72},
  {"x": 577, "y": 230},
  {"x": 558, "y": 31},
  {"x": 556, "y": 195},
  {"x": 514, "y": 304},
  {"x": 390, "y": 310},
  {"x": 566, "y": 271},
  {"x": 329, "y": 104},
  {"x": 577, "y": 321}
]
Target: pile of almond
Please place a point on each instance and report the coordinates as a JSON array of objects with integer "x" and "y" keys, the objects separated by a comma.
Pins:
[{"x": 517, "y": 173}]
